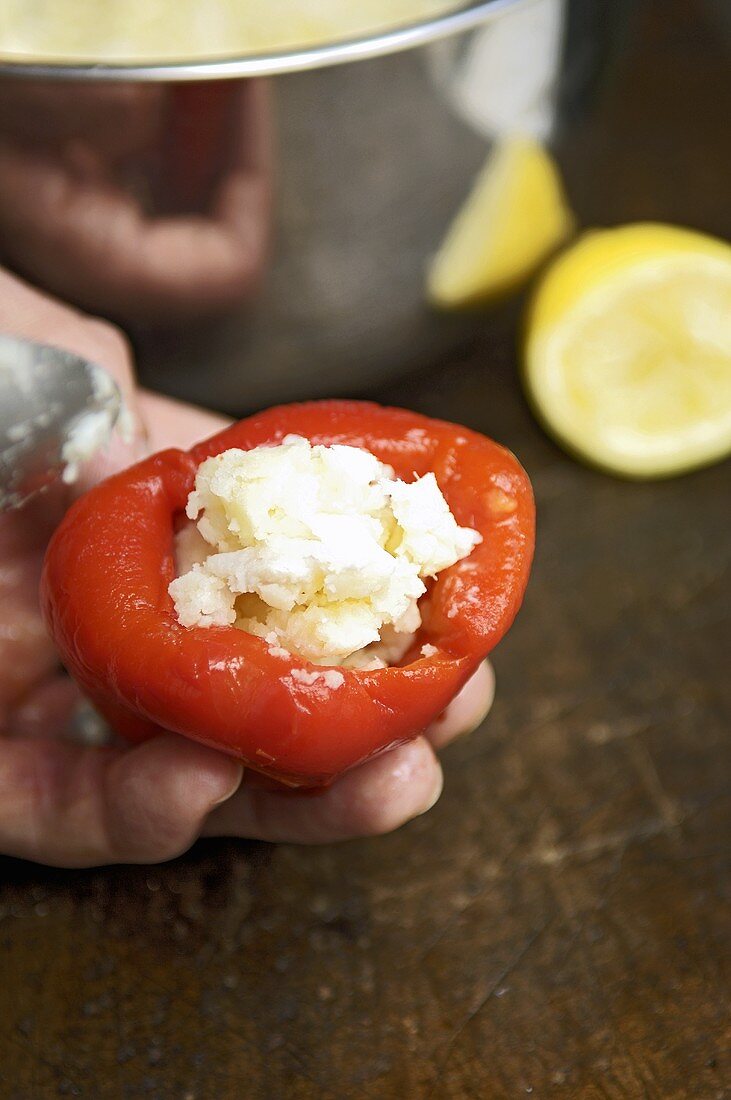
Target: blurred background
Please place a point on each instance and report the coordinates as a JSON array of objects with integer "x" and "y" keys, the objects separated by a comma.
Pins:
[{"x": 269, "y": 238}]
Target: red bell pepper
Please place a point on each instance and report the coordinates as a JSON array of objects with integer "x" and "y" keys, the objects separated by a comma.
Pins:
[{"x": 105, "y": 596}]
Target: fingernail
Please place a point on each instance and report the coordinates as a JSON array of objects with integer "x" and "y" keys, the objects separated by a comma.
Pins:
[
  {"x": 131, "y": 431},
  {"x": 140, "y": 448},
  {"x": 471, "y": 706},
  {"x": 117, "y": 454},
  {"x": 135, "y": 439},
  {"x": 235, "y": 784},
  {"x": 435, "y": 795}
]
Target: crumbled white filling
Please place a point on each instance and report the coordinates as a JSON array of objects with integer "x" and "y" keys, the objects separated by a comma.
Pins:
[
  {"x": 318, "y": 550},
  {"x": 92, "y": 431},
  {"x": 87, "y": 436},
  {"x": 275, "y": 649},
  {"x": 330, "y": 677}
]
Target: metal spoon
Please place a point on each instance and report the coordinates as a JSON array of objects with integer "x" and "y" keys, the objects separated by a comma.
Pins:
[{"x": 56, "y": 410}]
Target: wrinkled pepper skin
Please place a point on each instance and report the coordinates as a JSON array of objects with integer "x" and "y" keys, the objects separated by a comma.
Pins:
[{"x": 105, "y": 598}]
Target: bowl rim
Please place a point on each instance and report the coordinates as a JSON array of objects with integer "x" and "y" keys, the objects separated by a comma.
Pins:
[{"x": 273, "y": 64}]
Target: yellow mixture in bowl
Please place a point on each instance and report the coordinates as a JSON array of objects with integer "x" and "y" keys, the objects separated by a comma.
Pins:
[{"x": 117, "y": 31}]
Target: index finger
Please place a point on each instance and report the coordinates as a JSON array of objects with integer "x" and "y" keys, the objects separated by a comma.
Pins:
[{"x": 72, "y": 806}]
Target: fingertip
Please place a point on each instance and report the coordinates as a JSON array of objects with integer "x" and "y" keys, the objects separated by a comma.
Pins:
[
  {"x": 192, "y": 775},
  {"x": 375, "y": 798},
  {"x": 468, "y": 709},
  {"x": 161, "y": 792},
  {"x": 388, "y": 791}
]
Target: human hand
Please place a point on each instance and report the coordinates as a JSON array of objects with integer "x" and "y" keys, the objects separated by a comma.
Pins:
[
  {"x": 72, "y": 805},
  {"x": 145, "y": 203}
]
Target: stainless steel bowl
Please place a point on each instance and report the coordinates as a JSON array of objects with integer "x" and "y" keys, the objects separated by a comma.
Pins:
[{"x": 373, "y": 160}]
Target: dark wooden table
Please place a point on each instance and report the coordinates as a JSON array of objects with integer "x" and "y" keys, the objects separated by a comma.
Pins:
[{"x": 556, "y": 926}]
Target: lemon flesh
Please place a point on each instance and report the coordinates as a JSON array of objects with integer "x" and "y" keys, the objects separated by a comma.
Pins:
[
  {"x": 514, "y": 217},
  {"x": 628, "y": 352}
]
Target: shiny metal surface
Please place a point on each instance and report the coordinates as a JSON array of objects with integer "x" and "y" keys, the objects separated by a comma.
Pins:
[
  {"x": 361, "y": 202},
  {"x": 314, "y": 57},
  {"x": 371, "y": 163},
  {"x": 45, "y": 394}
]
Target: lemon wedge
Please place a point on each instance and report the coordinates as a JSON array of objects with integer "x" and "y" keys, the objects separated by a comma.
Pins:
[
  {"x": 628, "y": 352},
  {"x": 514, "y": 217}
]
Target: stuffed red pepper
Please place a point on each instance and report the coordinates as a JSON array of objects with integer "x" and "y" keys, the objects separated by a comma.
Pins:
[{"x": 305, "y": 589}]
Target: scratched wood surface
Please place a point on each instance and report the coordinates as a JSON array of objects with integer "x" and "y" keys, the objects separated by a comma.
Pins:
[{"x": 556, "y": 926}]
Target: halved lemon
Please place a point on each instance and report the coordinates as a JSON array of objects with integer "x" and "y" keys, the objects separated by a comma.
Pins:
[
  {"x": 514, "y": 217},
  {"x": 628, "y": 350}
]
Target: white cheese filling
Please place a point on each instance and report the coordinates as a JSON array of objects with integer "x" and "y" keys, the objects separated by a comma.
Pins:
[{"x": 321, "y": 551}]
